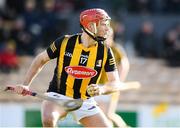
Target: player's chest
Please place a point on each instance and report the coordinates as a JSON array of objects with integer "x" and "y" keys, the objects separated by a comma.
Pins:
[{"x": 78, "y": 56}]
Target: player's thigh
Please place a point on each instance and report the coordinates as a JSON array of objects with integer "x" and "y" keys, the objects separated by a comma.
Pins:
[
  {"x": 97, "y": 120},
  {"x": 103, "y": 102},
  {"x": 104, "y": 106},
  {"x": 51, "y": 111}
]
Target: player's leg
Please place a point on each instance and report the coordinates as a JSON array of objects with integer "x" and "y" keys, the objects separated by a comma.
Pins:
[
  {"x": 50, "y": 113},
  {"x": 117, "y": 120},
  {"x": 90, "y": 115},
  {"x": 103, "y": 102},
  {"x": 97, "y": 120},
  {"x": 111, "y": 112}
]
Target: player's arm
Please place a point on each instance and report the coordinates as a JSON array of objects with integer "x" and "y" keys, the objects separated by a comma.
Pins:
[
  {"x": 114, "y": 84},
  {"x": 111, "y": 69},
  {"x": 37, "y": 65},
  {"x": 123, "y": 63},
  {"x": 50, "y": 53},
  {"x": 123, "y": 68},
  {"x": 34, "y": 69}
]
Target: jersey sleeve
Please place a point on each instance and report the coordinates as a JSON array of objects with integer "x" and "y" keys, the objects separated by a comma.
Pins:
[
  {"x": 54, "y": 49},
  {"x": 110, "y": 64}
]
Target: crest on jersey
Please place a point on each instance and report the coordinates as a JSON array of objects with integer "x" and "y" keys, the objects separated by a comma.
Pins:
[
  {"x": 80, "y": 72},
  {"x": 99, "y": 63}
]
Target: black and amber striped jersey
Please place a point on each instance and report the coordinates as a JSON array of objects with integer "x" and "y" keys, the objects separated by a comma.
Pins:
[
  {"x": 78, "y": 66},
  {"x": 119, "y": 53}
]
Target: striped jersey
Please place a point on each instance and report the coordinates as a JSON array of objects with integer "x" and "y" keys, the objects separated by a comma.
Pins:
[
  {"x": 119, "y": 53},
  {"x": 78, "y": 66}
]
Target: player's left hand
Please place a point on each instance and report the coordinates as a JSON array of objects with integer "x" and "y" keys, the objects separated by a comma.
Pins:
[{"x": 94, "y": 90}]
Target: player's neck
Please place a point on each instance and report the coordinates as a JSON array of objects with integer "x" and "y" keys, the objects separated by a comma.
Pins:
[{"x": 87, "y": 41}]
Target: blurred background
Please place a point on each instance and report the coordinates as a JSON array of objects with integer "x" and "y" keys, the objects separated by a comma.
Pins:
[{"x": 149, "y": 30}]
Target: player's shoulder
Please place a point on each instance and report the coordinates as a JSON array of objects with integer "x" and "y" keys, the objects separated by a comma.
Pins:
[
  {"x": 61, "y": 38},
  {"x": 73, "y": 35},
  {"x": 68, "y": 36}
]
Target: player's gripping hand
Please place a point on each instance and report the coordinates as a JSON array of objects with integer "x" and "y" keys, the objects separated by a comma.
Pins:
[
  {"x": 94, "y": 90},
  {"x": 21, "y": 89}
]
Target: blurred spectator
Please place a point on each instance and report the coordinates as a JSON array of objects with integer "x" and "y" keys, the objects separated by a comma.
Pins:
[
  {"x": 65, "y": 7},
  {"x": 141, "y": 6},
  {"x": 172, "y": 6},
  {"x": 32, "y": 22},
  {"x": 23, "y": 38},
  {"x": 95, "y": 3},
  {"x": 14, "y": 7},
  {"x": 49, "y": 22},
  {"x": 172, "y": 46},
  {"x": 31, "y": 15},
  {"x": 118, "y": 6},
  {"x": 145, "y": 41},
  {"x": 8, "y": 58},
  {"x": 79, "y": 5},
  {"x": 1, "y": 33},
  {"x": 6, "y": 24},
  {"x": 119, "y": 31}
]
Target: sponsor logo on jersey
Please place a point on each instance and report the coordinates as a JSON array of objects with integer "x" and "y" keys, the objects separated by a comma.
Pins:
[{"x": 80, "y": 72}]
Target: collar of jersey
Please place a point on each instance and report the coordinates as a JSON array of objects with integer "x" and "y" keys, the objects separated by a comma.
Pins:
[{"x": 84, "y": 48}]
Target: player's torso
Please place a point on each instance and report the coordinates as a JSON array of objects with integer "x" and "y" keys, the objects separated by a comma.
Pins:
[{"x": 78, "y": 67}]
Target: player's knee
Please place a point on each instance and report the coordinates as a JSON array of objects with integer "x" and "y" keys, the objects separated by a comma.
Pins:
[
  {"x": 109, "y": 115},
  {"x": 48, "y": 122}
]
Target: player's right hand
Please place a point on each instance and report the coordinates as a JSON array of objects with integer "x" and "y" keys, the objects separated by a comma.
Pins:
[
  {"x": 21, "y": 89},
  {"x": 94, "y": 90}
]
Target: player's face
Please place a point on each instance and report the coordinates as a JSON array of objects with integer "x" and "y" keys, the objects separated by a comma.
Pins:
[{"x": 103, "y": 28}]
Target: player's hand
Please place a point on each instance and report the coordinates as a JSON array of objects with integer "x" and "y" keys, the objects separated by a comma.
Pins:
[
  {"x": 94, "y": 90},
  {"x": 21, "y": 89}
]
